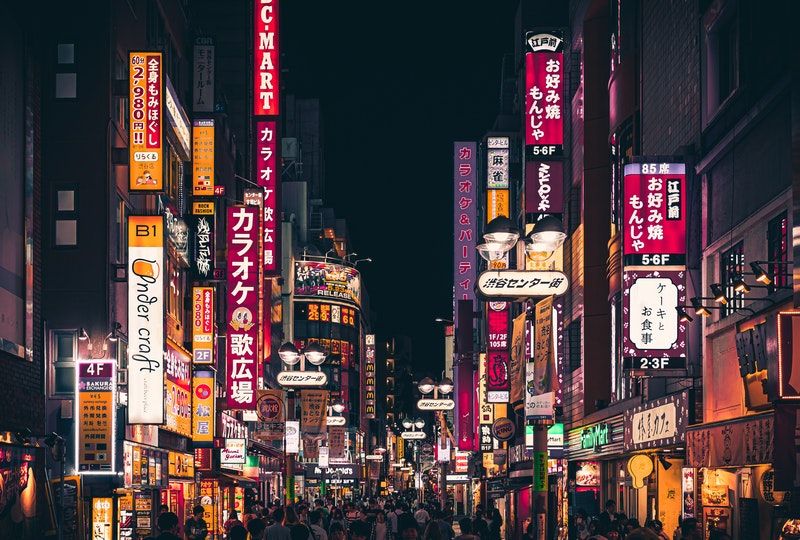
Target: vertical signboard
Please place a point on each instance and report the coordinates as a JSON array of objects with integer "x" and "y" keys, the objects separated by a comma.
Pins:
[
  {"x": 203, "y": 325},
  {"x": 266, "y": 56},
  {"x": 203, "y": 84},
  {"x": 266, "y": 175},
  {"x": 202, "y": 248},
  {"x": 464, "y": 221},
  {"x": 544, "y": 187},
  {"x": 544, "y": 94},
  {"x": 146, "y": 319},
  {"x": 95, "y": 414},
  {"x": 292, "y": 437},
  {"x": 518, "y": 361},
  {"x": 102, "y": 518},
  {"x": 497, "y": 357},
  {"x": 203, "y": 158},
  {"x": 369, "y": 378},
  {"x": 654, "y": 214},
  {"x": 654, "y": 259},
  {"x": 242, "y": 313},
  {"x": 203, "y": 409},
  {"x": 497, "y": 165},
  {"x": 178, "y": 386},
  {"x": 653, "y": 337},
  {"x": 541, "y": 376},
  {"x": 313, "y": 410},
  {"x": 146, "y": 153}
]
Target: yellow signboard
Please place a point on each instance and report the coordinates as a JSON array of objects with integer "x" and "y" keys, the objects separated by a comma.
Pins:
[
  {"x": 203, "y": 410},
  {"x": 203, "y": 208},
  {"x": 203, "y": 325},
  {"x": 102, "y": 522},
  {"x": 181, "y": 465},
  {"x": 203, "y": 158},
  {"x": 497, "y": 204},
  {"x": 145, "y": 131}
]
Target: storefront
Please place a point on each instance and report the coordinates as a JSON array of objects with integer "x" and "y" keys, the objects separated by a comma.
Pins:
[
  {"x": 26, "y": 509},
  {"x": 736, "y": 475},
  {"x": 180, "y": 495},
  {"x": 340, "y": 480},
  {"x": 145, "y": 474}
]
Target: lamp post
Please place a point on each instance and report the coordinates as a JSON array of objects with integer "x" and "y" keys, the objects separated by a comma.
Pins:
[
  {"x": 415, "y": 435},
  {"x": 58, "y": 451},
  {"x": 547, "y": 235},
  {"x": 445, "y": 387}
]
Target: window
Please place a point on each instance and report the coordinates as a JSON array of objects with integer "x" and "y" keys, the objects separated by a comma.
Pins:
[
  {"x": 731, "y": 267},
  {"x": 573, "y": 344},
  {"x": 778, "y": 251},
  {"x": 66, "y": 77},
  {"x": 65, "y": 217},
  {"x": 121, "y": 102},
  {"x": 721, "y": 59},
  {"x": 64, "y": 349}
]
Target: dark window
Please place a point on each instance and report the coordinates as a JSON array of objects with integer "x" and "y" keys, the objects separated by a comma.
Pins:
[
  {"x": 573, "y": 344},
  {"x": 574, "y": 209},
  {"x": 727, "y": 58},
  {"x": 66, "y": 77},
  {"x": 64, "y": 348},
  {"x": 65, "y": 216},
  {"x": 778, "y": 251},
  {"x": 731, "y": 267}
]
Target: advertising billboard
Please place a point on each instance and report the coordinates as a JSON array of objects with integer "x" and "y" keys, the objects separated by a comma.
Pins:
[
  {"x": 544, "y": 187},
  {"x": 146, "y": 319},
  {"x": 145, "y": 130},
  {"x": 95, "y": 415},
  {"x": 203, "y": 341},
  {"x": 314, "y": 279},
  {"x": 203, "y": 412},
  {"x": 544, "y": 93},
  {"x": 266, "y": 58},
  {"x": 654, "y": 214},
  {"x": 242, "y": 307},
  {"x": 464, "y": 221},
  {"x": 203, "y": 158},
  {"x": 178, "y": 385},
  {"x": 369, "y": 378},
  {"x": 267, "y": 176}
]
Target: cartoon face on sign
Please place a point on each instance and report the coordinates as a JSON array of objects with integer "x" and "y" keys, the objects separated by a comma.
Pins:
[
  {"x": 242, "y": 319},
  {"x": 497, "y": 373}
]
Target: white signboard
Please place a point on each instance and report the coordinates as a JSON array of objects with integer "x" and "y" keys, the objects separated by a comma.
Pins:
[
  {"x": 323, "y": 457},
  {"x": 436, "y": 404},
  {"x": 292, "y": 437},
  {"x": 374, "y": 457},
  {"x": 336, "y": 421},
  {"x": 234, "y": 452},
  {"x": 146, "y": 319},
  {"x": 413, "y": 435},
  {"x": 653, "y": 314},
  {"x": 302, "y": 378},
  {"x": 457, "y": 478},
  {"x": 537, "y": 405},
  {"x": 522, "y": 283},
  {"x": 497, "y": 168},
  {"x": 654, "y": 424}
]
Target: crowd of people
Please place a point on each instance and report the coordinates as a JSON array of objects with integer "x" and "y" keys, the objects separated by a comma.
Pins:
[
  {"x": 610, "y": 525},
  {"x": 390, "y": 519}
]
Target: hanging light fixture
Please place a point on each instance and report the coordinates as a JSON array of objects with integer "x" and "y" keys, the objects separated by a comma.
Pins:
[
  {"x": 761, "y": 275},
  {"x": 699, "y": 308},
  {"x": 682, "y": 315},
  {"x": 740, "y": 286},
  {"x": 719, "y": 293}
]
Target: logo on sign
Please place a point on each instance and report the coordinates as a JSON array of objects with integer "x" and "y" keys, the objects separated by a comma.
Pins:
[{"x": 503, "y": 429}]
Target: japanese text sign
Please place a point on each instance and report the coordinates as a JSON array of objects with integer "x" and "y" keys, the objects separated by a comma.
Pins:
[
  {"x": 314, "y": 410},
  {"x": 203, "y": 91},
  {"x": 146, "y": 319},
  {"x": 203, "y": 158},
  {"x": 146, "y": 152},
  {"x": 266, "y": 176},
  {"x": 653, "y": 336},
  {"x": 654, "y": 214},
  {"x": 498, "y": 383},
  {"x": 203, "y": 325},
  {"x": 464, "y": 218},
  {"x": 544, "y": 91},
  {"x": 497, "y": 204},
  {"x": 369, "y": 377},
  {"x": 178, "y": 384},
  {"x": 522, "y": 283},
  {"x": 203, "y": 409},
  {"x": 95, "y": 416},
  {"x": 327, "y": 280},
  {"x": 497, "y": 168},
  {"x": 544, "y": 187},
  {"x": 266, "y": 57},
  {"x": 242, "y": 313},
  {"x": 658, "y": 423}
]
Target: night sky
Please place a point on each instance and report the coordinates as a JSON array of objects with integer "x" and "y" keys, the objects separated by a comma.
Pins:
[{"x": 398, "y": 83}]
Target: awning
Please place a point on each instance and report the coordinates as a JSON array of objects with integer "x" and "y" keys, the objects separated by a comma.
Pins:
[{"x": 237, "y": 478}]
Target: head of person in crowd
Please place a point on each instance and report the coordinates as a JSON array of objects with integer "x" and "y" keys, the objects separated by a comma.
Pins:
[
  {"x": 168, "y": 522},
  {"x": 407, "y": 528}
]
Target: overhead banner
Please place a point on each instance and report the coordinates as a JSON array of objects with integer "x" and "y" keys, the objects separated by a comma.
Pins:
[
  {"x": 653, "y": 337},
  {"x": 203, "y": 412},
  {"x": 544, "y": 93},
  {"x": 203, "y": 240},
  {"x": 267, "y": 176},
  {"x": 242, "y": 313},
  {"x": 203, "y": 341},
  {"x": 203, "y": 158},
  {"x": 266, "y": 57},
  {"x": 271, "y": 412},
  {"x": 654, "y": 214},
  {"x": 314, "y": 411},
  {"x": 203, "y": 89},
  {"x": 95, "y": 414},
  {"x": 178, "y": 385},
  {"x": 464, "y": 221},
  {"x": 517, "y": 362},
  {"x": 541, "y": 376},
  {"x": 544, "y": 187},
  {"x": 145, "y": 131},
  {"x": 146, "y": 319},
  {"x": 369, "y": 378},
  {"x": 327, "y": 280}
]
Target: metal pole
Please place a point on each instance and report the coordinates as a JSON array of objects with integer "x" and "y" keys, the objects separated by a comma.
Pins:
[
  {"x": 61, "y": 489},
  {"x": 289, "y": 458},
  {"x": 539, "y": 486}
]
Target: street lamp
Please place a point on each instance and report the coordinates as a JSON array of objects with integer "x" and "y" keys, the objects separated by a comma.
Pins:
[
  {"x": 419, "y": 423},
  {"x": 545, "y": 238},
  {"x": 407, "y": 423},
  {"x": 427, "y": 385},
  {"x": 315, "y": 354},
  {"x": 338, "y": 406},
  {"x": 289, "y": 353}
]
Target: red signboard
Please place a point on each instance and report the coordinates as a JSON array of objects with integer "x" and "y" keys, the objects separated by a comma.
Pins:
[
  {"x": 654, "y": 214},
  {"x": 464, "y": 398},
  {"x": 498, "y": 326},
  {"x": 266, "y": 175},
  {"x": 266, "y": 56},
  {"x": 242, "y": 313},
  {"x": 544, "y": 187},
  {"x": 544, "y": 98},
  {"x": 497, "y": 376}
]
